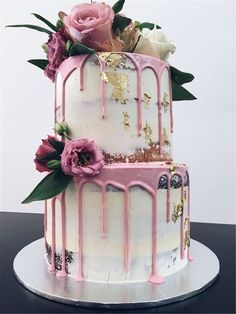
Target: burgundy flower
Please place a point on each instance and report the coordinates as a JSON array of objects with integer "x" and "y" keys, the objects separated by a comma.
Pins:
[
  {"x": 45, "y": 153},
  {"x": 81, "y": 157},
  {"x": 56, "y": 53}
]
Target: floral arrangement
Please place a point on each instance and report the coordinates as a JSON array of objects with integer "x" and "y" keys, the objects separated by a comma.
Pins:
[
  {"x": 97, "y": 27},
  {"x": 63, "y": 161}
]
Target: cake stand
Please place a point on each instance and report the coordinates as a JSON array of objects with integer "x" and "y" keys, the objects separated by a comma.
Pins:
[{"x": 32, "y": 272}]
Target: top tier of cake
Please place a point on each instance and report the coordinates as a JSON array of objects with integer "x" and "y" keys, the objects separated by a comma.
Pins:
[{"x": 122, "y": 101}]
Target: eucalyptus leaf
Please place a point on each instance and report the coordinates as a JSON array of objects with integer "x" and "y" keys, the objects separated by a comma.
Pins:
[
  {"x": 79, "y": 49},
  {"x": 148, "y": 25},
  {"x": 35, "y": 27},
  {"x": 53, "y": 184},
  {"x": 118, "y": 6},
  {"x": 180, "y": 77},
  {"x": 41, "y": 18},
  {"x": 40, "y": 63},
  {"x": 180, "y": 93},
  {"x": 120, "y": 22},
  {"x": 58, "y": 146}
]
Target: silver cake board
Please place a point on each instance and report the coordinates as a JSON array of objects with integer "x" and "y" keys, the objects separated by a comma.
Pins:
[{"x": 32, "y": 272}]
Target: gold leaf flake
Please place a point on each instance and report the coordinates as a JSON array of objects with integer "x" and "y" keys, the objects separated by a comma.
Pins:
[
  {"x": 185, "y": 195},
  {"x": 178, "y": 210},
  {"x": 148, "y": 133},
  {"x": 187, "y": 239},
  {"x": 119, "y": 81},
  {"x": 165, "y": 139},
  {"x": 146, "y": 99},
  {"x": 165, "y": 103},
  {"x": 104, "y": 77},
  {"x": 173, "y": 168},
  {"x": 126, "y": 120},
  {"x": 186, "y": 222},
  {"x": 112, "y": 60}
]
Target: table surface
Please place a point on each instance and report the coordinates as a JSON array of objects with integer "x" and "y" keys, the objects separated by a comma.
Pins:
[{"x": 17, "y": 230}]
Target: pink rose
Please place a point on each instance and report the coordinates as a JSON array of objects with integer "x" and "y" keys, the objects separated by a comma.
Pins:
[
  {"x": 45, "y": 153},
  {"x": 81, "y": 157},
  {"x": 91, "y": 24},
  {"x": 56, "y": 53}
]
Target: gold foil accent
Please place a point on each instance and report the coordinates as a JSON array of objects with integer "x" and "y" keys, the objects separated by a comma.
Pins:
[
  {"x": 165, "y": 139},
  {"x": 187, "y": 239},
  {"x": 178, "y": 210},
  {"x": 165, "y": 103},
  {"x": 126, "y": 120},
  {"x": 119, "y": 81},
  {"x": 104, "y": 77},
  {"x": 145, "y": 154},
  {"x": 112, "y": 60},
  {"x": 185, "y": 195},
  {"x": 146, "y": 99},
  {"x": 148, "y": 133},
  {"x": 186, "y": 222},
  {"x": 173, "y": 168}
]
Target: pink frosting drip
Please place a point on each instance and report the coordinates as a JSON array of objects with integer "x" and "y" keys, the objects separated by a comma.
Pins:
[
  {"x": 190, "y": 258},
  {"x": 124, "y": 176},
  {"x": 140, "y": 62},
  {"x": 52, "y": 266}
]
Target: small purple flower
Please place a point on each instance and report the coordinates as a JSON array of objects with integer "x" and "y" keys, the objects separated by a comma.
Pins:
[
  {"x": 56, "y": 53},
  {"x": 81, "y": 157}
]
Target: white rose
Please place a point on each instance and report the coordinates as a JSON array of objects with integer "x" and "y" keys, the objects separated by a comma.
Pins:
[{"x": 154, "y": 43}]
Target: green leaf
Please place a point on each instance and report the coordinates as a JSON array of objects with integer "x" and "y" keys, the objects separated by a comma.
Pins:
[
  {"x": 180, "y": 93},
  {"x": 39, "y": 17},
  {"x": 57, "y": 145},
  {"x": 148, "y": 25},
  {"x": 180, "y": 77},
  {"x": 68, "y": 45},
  {"x": 53, "y": 164},
  {"x": 118, "y": 6},
  {"x": 37, "y": 28},
  {"x": 49, "y": 156},
  {"x": 59, "y": 24},
  {"x": 120, "y": 22},
  {"x": 79, "y": 49},
  {"x": 53, "y": 184},
  {"x": 40, "y": 63}
]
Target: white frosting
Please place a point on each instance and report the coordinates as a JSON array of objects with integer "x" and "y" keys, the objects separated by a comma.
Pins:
[
  {"x": 83, "y": 112},
  {"x": 103, "y": 258}
]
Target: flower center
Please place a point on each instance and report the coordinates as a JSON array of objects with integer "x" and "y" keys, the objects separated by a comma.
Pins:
[{"x": 84, "y": 158}]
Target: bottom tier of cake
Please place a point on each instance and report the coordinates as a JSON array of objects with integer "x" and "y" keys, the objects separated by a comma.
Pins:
[{"x": 129, "y": 223}]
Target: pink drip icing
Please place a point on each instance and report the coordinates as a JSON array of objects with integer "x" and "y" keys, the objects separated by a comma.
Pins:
[
  {"x": 124, "y": 177},
  {"x": 190, "y": 258},
  {"x": 55, "y": 101},
  {"x": 182, "y": 223},
  {"x": 62, "y": 272},
  {"x": 79, "y": 276},
  {"x": 103, "y": 88},
  {"x": 81, "y": 79},
  {"x": 45, "y": 223},
  {"x": 139, "y": 92},
  {"x": 171, "y": 107},
  {"x": 168, "y": 200},
  {"x": 141, "y": 63},
  {"x": 45, "y": 216},
  {"x": 126, "y": 229},
  {"x": 104, "y": 214},
  {"x": 52, "y": 266}
]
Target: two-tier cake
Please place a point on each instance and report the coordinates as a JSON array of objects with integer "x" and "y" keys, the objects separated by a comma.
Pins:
[{"x": 117, "y": 208}]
